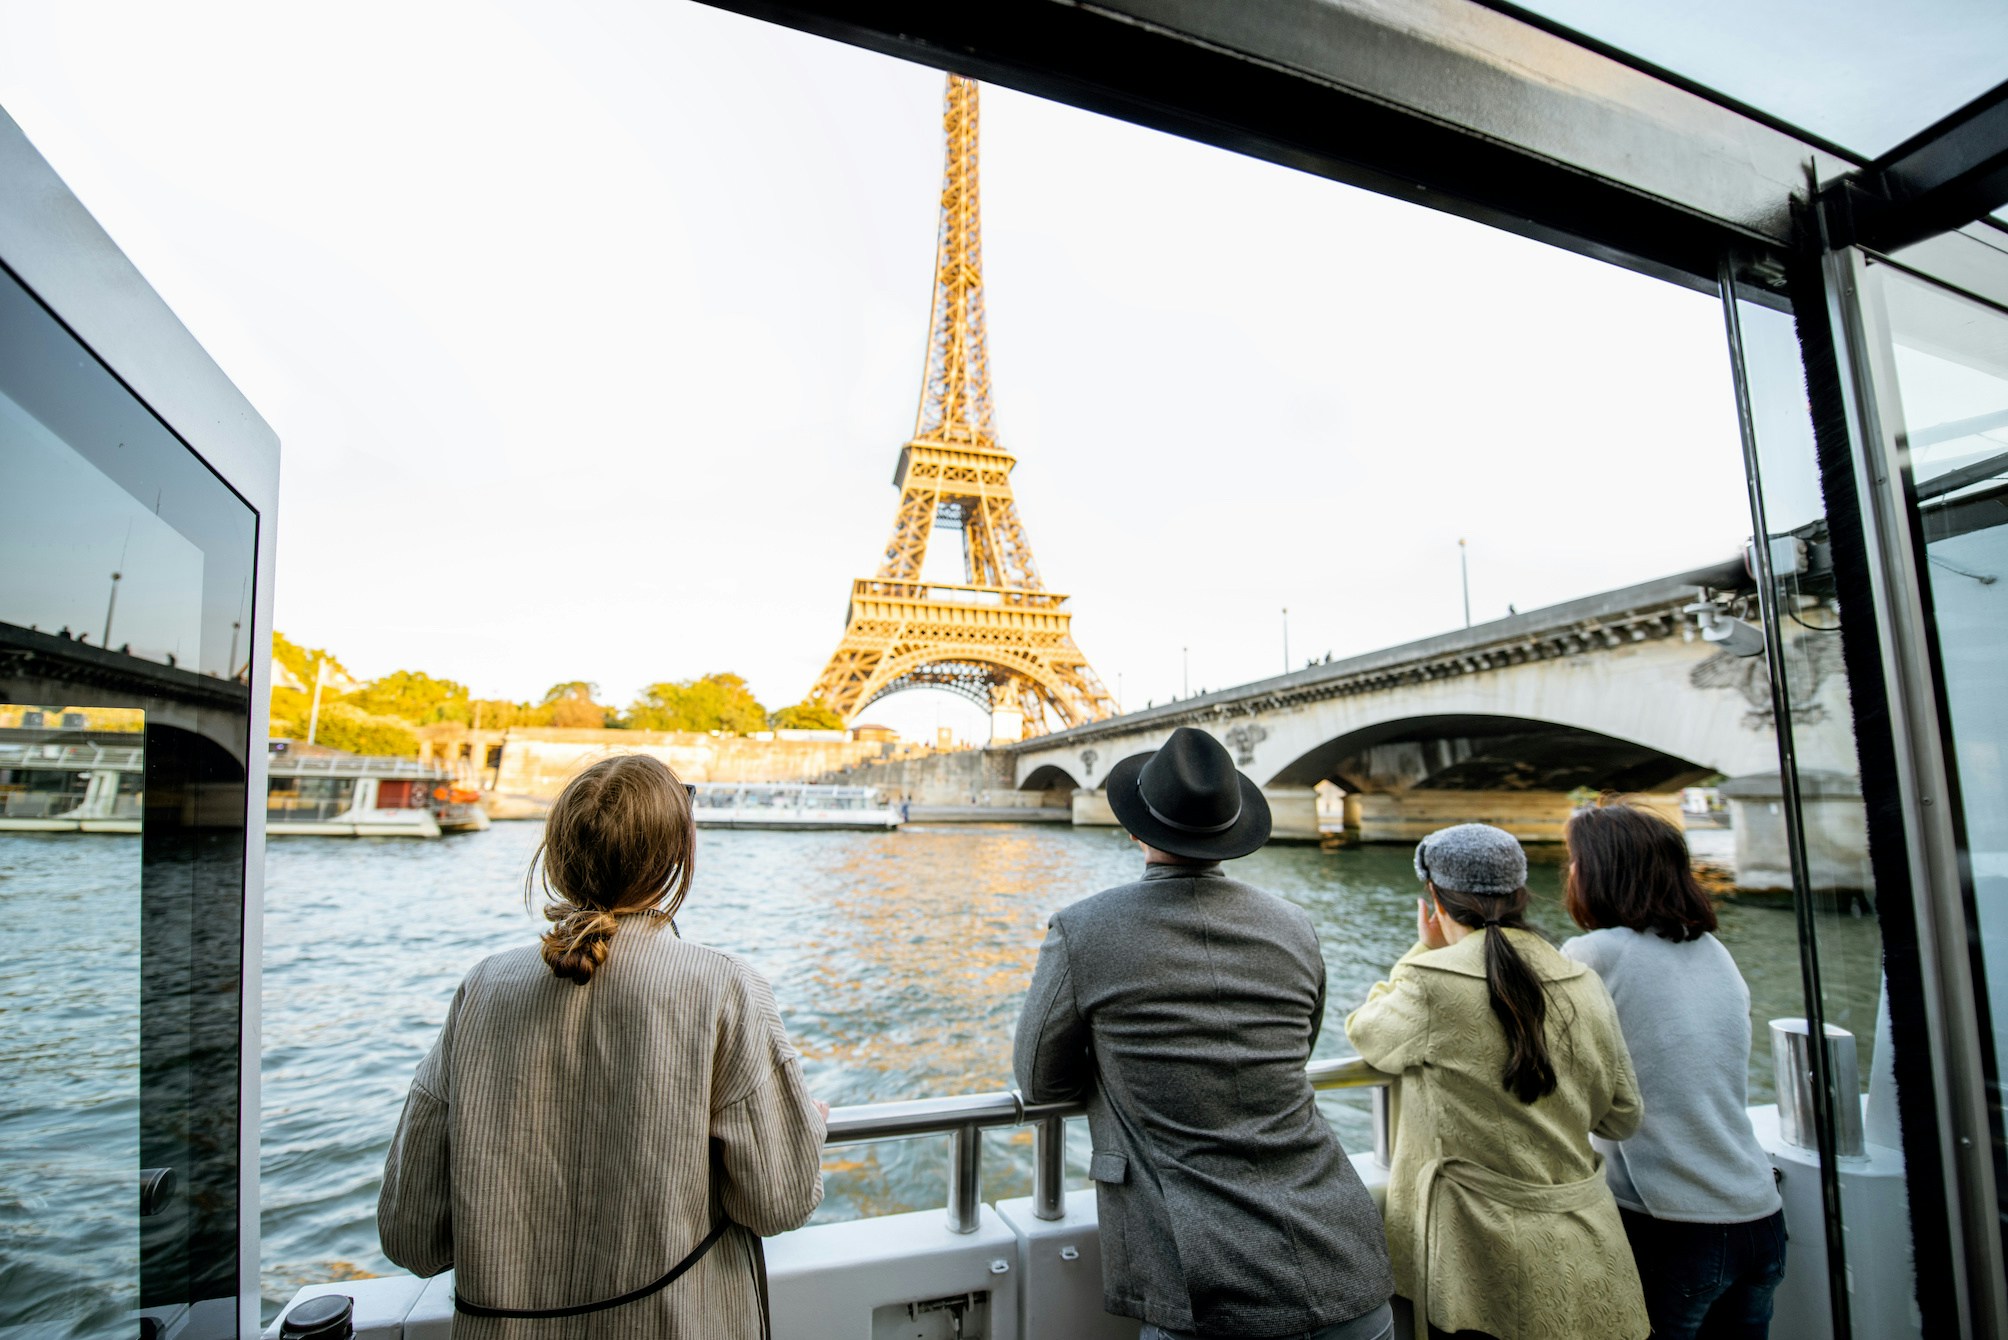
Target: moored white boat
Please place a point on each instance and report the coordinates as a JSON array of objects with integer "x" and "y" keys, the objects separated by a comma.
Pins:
[
  {"x": 91, "y": 783},
  {"x": 325, "y": 793},
  {"x": 791, "y": 805}
]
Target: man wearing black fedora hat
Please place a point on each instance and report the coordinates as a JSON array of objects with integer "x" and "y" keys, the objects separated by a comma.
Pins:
[{"x": 1182, "y": 1008}]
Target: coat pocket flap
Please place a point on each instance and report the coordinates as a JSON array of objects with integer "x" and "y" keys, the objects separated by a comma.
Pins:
[{"x": 1107, "y": 1167}]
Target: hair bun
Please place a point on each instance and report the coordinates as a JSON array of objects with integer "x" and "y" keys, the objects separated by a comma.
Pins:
[{"x": 576, "y": 945}]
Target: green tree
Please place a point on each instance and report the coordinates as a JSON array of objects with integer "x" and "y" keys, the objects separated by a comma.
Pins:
[
  {"x": 571, "y": 705},
  {"x": 806, "y": 715},
  {"x": 300, "y": 661},
  {"x": 500, "y": 713},
  {"x": 719, "y": 702},
  {"x": 347, "y": 727},
  {"x": 582, "y": 689},
  {"x": 414, "y": 696}
]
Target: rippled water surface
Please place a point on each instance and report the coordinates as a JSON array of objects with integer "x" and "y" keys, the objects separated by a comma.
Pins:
[
  {"x": 898, "y": 958},
  {"x": 69, "y": 1055}
]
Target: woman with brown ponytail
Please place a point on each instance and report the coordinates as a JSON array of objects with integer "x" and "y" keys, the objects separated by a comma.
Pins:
[
  {"x": 1498, "y": 1216},
  {"x": 609, "y": 1119}
]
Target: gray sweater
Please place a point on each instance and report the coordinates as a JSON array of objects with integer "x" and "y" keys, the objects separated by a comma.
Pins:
[
  {"x": 564, "y": 1144},
  {"x": 1685, "y": 1011}
]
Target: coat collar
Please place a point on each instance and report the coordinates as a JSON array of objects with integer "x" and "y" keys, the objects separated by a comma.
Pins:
[
  {"x": 1211, "y": 870},
  {"x": 1467, "y": 956}
]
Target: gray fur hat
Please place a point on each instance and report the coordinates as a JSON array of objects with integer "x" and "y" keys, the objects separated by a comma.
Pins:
[{"x": 1472, "y": 858}]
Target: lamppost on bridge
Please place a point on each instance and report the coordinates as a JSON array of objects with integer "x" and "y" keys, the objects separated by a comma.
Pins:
[
  {"x": 1464, "y": 567},
  {"x": 1286, "y": 639}
]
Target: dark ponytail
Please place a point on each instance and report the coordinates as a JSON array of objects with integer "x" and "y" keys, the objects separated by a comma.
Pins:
[{"x": 1519, "y": 998}]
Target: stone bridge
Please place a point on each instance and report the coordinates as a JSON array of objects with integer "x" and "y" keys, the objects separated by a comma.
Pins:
[{"x": 1499, "y": 723}]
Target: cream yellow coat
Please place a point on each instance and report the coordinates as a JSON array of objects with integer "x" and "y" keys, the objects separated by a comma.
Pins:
[{"x": 1498, "y": 1217}]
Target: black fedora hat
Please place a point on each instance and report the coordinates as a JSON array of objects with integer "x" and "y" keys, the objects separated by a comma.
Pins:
[{"x": 1187, "y": 799}]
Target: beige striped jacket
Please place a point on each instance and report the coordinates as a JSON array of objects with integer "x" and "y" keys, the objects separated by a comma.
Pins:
[{"x": 564, "y": 1144}]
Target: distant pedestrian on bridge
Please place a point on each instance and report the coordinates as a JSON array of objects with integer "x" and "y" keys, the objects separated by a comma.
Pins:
[
  {"x": 1510, "y": 1056},
  {"x": 1183, "y": 1008}
]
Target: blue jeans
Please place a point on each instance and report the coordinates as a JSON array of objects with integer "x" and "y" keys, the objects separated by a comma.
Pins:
[
  {"x": 1708, "y": 1281},
  {"x": 1375, "y": 1325}
]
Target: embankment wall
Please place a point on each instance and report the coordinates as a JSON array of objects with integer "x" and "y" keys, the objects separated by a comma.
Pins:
[
  {"x": 961, "y": 777},
  {"x": 537, "y": 762}
]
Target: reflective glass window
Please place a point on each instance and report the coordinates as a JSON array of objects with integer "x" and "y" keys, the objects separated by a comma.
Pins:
[
  {"x": 126, "y": 580},
  {"x": 1948, "y": 410},
  {"x": 1860, "y": 75},
  {"x": 1814, "y": 807}
]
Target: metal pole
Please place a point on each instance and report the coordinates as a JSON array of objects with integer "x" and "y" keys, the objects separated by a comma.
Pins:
[
  {"x": 1464, "y": 567},
  {"x": 965, "y": 1179},
  {"x": 1383, "y": 1100},
  {"x": 1185, "y": 654},
  {"x": 1049, "y": 1169},
  {"x": 314, "y": 715},
  {"x": 1286, "y": 639},
  {"x": 110, "y": 605}
]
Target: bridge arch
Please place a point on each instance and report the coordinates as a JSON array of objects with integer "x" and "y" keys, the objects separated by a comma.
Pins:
[
  {"x": 1486, "y": 752},
  {"x": 928, "y": 668},
  {"x": 1049, "y": 777}
]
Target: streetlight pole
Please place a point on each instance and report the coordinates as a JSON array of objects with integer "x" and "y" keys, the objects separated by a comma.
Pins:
[
  {"x": 1286, "y": 639},
  {"x": 111, "y": 605},
  {"x": 1185, "y": 654},
  {"x": 1464, "y": 567},
  {"x": 314, "y": 714}
]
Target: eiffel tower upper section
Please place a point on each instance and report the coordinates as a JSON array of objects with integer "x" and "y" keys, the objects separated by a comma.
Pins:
[{"x": 999, "y": 637}]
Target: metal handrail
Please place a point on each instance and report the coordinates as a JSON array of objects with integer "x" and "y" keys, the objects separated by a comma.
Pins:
[
  {"x": 74, "y": 757},
  {"x": 299, "y": 765},
  {"x": 965, "y": 1118}
]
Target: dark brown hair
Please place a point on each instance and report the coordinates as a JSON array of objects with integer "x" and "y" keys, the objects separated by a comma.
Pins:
[
  {"x": 620, "y": 838},
  {"x": 1519, "y": 998},
  {"x": 1630, "y": 867}
]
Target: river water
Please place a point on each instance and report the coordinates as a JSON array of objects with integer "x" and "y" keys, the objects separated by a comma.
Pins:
[{"x": 898, "y": 960}]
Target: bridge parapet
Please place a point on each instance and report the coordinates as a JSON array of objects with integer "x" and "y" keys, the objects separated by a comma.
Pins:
[
  {"x": 1616, "y": 691},
  {"x": 1648, "y": 611}
]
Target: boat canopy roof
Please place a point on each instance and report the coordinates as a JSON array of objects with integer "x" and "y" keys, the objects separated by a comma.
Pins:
[{"x": 1660, "y": 137}]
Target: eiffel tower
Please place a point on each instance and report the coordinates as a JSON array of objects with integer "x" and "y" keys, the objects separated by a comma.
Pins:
[{"x": 999, "y": 637}]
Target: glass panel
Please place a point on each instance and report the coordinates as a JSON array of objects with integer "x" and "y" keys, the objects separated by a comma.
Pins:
[
  {"x": 125, "y": 590},
  {"x": 1855, "y": 73},
  {"x": 69, "y": 921},
  {"x": 1950, "y": 409},
  {"x": 1835, "y": 887}
]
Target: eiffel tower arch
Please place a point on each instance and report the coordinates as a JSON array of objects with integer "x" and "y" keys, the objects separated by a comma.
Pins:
[{"x": 999, "y": 637}]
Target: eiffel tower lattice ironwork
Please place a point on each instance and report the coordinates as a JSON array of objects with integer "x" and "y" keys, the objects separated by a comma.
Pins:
[{"x": 999, "y": 637}]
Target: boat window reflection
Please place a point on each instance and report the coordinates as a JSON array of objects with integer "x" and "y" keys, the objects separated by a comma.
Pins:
[
  {"x": 1950, "y": 355},
  {"x": 70, "y": 923},
  {"x": 125, "y": 646},
  {"x": 116, "y": 536},
  {"x": 1835, "y": 895}
]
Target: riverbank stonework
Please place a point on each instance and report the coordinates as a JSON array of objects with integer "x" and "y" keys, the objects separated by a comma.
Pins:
[
  {"x": 959, "y": 777},
  {"x": 536, "y": 762}
]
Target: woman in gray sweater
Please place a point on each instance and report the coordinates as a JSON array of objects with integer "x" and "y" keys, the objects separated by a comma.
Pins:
[
  {"x": 1693, "y": 1186},
  {"x": 610, "y": 1120}
]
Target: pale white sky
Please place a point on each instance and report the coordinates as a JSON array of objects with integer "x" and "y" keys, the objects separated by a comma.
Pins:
[{"x": 592, "y": 333}]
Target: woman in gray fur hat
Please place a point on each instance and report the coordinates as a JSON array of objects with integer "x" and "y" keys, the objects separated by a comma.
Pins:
[{"x": 1499, "y": 1220}]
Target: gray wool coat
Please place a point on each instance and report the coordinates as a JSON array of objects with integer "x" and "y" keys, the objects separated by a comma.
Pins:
[
  {"x": 1183, "y": 1008},
  {"x": 564, "y": 1144}
]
